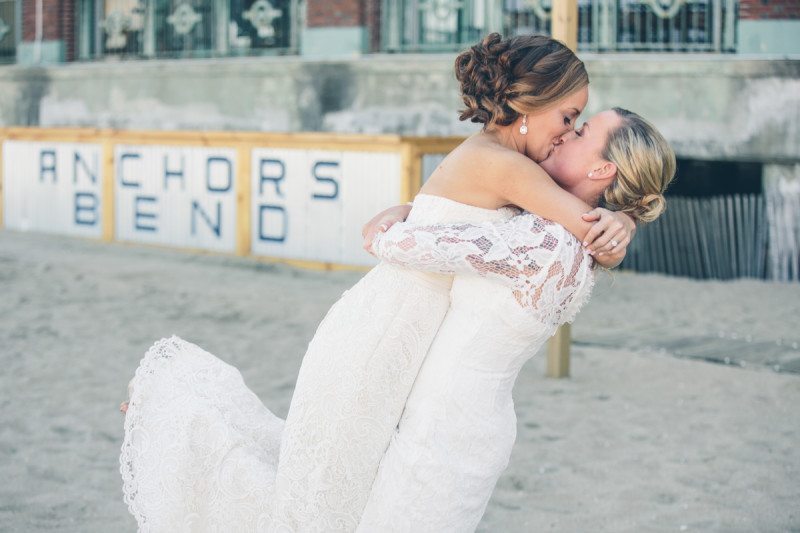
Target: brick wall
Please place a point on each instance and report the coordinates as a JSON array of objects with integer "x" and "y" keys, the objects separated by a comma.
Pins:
[
  {"x": 51, "y": 20},
  {"x": 338, "y": 13},
  {"x": 374, "y": 24},
  {"x": 769, "y": 9},
  {"x": 68, "y": 28},
  {"x": 58, "y": 23}
]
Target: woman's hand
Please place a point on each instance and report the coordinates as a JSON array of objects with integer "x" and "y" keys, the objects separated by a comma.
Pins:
[
  {"x": 382, "y": 222},
  {"x": 609, "y": 237}
]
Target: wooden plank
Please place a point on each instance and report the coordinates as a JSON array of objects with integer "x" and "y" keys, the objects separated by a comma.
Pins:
[
  {"x": 411, "y": 174},
  {"x": 700, "y": 216},
  {"x": 750, "y": 234},
  {"x": 244, "y": 156},
  {"x": 658, "y": 244},
  {"x": 723, "y": 245},
  {"x": 434, "y": 145},
  {"x": 558, "y": 348},
  {"x": 674, "y": 252},
  {"x": 677, "y": 222},
  {"x": 694, "y": 233},
  {"x": 108, "y": 200},
  {"x": 761, "y": 247},
  {"x": 730, "y": 211},
  {"x": 564, "y": 20},
  {"x": 2, "y": 183},
  {"x": 317, "y": 141}
]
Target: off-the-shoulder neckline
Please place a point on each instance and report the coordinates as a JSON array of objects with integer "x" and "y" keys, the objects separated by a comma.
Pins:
[{"x": 460, "y": 203}]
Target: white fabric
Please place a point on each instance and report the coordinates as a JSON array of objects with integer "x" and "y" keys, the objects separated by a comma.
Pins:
[
  {"x": 200, "y": 451},
  {"x": 455, "y": 436}
]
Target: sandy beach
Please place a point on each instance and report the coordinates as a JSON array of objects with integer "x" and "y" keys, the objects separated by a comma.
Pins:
[{"x": 682, "y": 412}]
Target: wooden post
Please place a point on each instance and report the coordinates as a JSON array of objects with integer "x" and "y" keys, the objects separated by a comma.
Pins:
[
  {"x": 107, "y": 191},
  {"x": 2, "y": 163},
  {"x": 558, "y": 353},
  {"x": 565, "y": 29},
  {"x": 565, "y": 22},
  {"x": 411, "y": 175},
  {"x": 244, "y": 155}
]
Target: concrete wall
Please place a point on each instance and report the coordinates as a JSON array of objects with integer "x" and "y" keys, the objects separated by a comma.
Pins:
[{"x": 711, "y": 107}]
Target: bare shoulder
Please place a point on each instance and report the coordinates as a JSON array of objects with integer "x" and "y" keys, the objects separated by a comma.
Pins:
[{"x": 487, "y": 159}]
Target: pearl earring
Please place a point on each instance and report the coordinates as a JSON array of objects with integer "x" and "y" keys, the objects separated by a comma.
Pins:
[
  {"x": 590, "y": 174},
  {"x": 524, "y": 128}
]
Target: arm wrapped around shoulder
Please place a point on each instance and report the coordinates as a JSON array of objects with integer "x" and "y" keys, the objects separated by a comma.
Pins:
[{"x": 546, "y": 268}]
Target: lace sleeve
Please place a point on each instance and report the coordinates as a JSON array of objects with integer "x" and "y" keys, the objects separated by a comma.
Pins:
[{"x": 543, "y": 264}]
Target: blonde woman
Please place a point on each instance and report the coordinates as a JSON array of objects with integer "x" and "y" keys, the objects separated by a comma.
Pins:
[
  {"x": 201, "y": 451},
  {"x": 517, "y": 280}
]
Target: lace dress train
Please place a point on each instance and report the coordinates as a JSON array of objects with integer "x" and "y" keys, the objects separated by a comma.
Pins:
[{"x": 202, "y": 453}]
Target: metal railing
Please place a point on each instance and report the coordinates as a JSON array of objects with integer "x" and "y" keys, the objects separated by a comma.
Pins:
[
  {"x": 603, "y": 25},
  {"x": 9, "y": 26},
  {"x": 185, "y": 28}
]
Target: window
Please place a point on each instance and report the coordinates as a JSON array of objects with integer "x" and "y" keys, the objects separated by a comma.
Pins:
[
  {"x": 186, "y": 28},
  {"x": 9, "y": 34}
]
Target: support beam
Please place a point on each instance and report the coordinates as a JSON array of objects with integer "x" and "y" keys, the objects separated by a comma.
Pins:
[
  {"x": 558, "y": 353},
  {"x": 565, "y": 22},
  {"x": 565, "y": 29}
]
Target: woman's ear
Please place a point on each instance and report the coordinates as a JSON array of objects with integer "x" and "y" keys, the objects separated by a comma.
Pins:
[{"x": 605, "y": 171}]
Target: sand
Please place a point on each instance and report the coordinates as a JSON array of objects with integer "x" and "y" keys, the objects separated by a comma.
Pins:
[{"x": 681, "y": 413}]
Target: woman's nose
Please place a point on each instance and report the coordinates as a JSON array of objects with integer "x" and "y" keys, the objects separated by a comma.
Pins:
[{"x": 566, "y": 137}]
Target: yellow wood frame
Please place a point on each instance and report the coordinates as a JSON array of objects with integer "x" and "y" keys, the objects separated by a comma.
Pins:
[{"x": 411, "y": 150}]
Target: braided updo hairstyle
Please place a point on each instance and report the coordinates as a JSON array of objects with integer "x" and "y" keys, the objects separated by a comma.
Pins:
[
  {"x": 645, "y": 166},
  {"x": 503, "y": 79}
]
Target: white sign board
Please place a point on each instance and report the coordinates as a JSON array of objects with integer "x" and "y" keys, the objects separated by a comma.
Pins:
[
  {"x": 177, "y": 196},
  {"x": 53, "y": 187},
  {"x": 311, "y": 204}
]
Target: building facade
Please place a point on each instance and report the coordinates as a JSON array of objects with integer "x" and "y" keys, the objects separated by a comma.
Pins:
[{"x": 720, "y": 78}]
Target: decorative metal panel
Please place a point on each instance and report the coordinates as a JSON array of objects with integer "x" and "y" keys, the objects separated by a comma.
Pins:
[
  {"x": 53, "y": 187},
  {"x": 310, "y": 204},
  {"x": 603, "y": 25},
  {"x": 185, "y": 28},
  {"x": 177, "y": 196},
  {"x": 9, "y": 36}
]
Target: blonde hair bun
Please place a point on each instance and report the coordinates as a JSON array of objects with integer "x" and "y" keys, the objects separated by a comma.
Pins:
[{"x": 645, "y": 167}]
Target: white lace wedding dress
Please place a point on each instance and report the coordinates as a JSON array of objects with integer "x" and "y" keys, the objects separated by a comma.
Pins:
[
  {"x": 455, "y": 436},
  {"x": 202, "y": 453}
]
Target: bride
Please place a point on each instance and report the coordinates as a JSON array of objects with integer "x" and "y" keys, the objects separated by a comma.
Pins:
[
  {"x": 455, "y": 436},
  {"x": 202, "y": 453}
]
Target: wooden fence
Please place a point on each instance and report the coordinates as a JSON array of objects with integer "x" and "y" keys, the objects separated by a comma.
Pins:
[{"x": 723, "y": 237}]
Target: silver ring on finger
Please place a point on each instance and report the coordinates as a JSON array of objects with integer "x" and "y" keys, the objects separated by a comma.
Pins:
[{"x": 614, "y": 243}]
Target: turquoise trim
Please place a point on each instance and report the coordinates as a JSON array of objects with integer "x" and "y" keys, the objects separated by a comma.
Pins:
[
  {"x": 769, "y": 37},
  {"x": 331, "y": 42},
  {"x": 52, "y": 52}
]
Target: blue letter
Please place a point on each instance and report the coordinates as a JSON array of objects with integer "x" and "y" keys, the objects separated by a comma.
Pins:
[
  {"x": 50, "y": 166},
  {"x": 330, "y": 179},
  {"x": 196, "y": 208},
  {"x": 284, "y": 223},
  {"x": 139, "y": 214},
  {"x": 173, "y": 173},
  {"x": 90, "y": 208},
  {"x": 121, "y": 170},
  {"x": 228, "y": 174},
  {"x": 78, "y": 159},
  {"x": 277, "y": 178}
]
